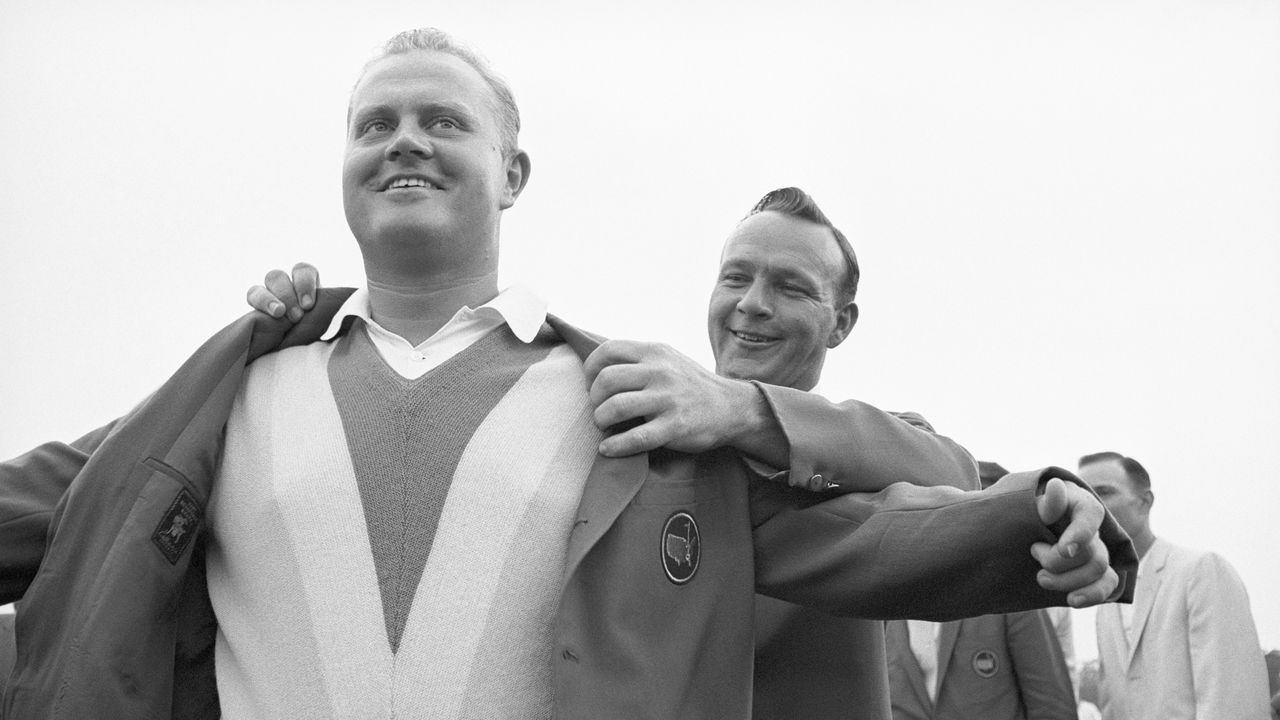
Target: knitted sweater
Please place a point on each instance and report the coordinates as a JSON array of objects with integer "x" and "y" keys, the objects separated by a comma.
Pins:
[{"x": 384, "y": 547}]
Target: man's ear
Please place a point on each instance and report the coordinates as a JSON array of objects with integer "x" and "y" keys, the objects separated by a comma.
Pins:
[
  {"x": 846, "y": 318},
  {"x": 518, "y": 169}
]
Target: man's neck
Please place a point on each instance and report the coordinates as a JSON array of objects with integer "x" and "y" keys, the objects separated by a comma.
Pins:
[
  {"x": 416, "y": 312},
  {"x": 1142, "y": 542}
]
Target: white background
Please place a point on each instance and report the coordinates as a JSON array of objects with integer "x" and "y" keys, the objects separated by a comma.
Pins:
[{"x": 1067, "y": 213}]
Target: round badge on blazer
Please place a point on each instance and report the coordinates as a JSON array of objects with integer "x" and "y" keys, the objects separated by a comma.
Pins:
[
  {"x": 985, "y": 663},
  {"x": 681, "y": 547}
]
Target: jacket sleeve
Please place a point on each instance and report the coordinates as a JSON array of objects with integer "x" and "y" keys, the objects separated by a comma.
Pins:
[
  {"x": 1038, "y": 664},
  {"x": 32, "y": 484},
  {"x": 935, "y": 553},
  {"x": 861, "y": 448},
  {"x": 30, "y": 487},
  {"x": 913, "y": 552}
]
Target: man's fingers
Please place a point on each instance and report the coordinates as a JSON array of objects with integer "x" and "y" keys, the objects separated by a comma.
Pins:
[
  {"x": 261, "y": 299},
  {"x": 610, "y": 352},
  {"x": 1086, "y": 514},
  {"x": 1053, "y": 502},
  {"x": 623, "y": 407},
  {"x": 1088, "y": 584},
  {"x": 279, "y": 284},
  {"x": 641, "y": 438},
  {"x": 1071, "y": 510},
  {"x": 614, "y": 379},
  {"x": 306, "y": 280}
]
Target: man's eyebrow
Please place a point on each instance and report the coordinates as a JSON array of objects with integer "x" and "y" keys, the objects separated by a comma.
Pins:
[
  {"x": 365, "y": 112},
  {"x": 736, "y": 264},
  {"x": 428, "y": 109},
  {"x": 797, "y": 276},
  {"x": 450, "y": 108}
]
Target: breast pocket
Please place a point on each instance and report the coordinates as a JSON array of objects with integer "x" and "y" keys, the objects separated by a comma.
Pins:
[{"x": 663, "y": 492}]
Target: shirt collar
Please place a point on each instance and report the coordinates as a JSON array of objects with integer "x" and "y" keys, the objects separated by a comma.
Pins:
[{"x": 518, "y": 306}]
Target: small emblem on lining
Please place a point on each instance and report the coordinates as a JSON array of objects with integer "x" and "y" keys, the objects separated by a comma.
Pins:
[
  {"x": 985, "y": 663},
  {"x": 681, "y": 547},
  {"x": 177, "y": 527}
]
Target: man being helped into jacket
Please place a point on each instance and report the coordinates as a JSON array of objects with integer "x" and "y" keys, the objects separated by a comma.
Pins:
[
  {"x": 784, "y": 295},
  {"x": 416, "y": 509}
]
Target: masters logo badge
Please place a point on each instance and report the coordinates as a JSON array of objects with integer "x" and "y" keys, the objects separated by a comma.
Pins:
[
  {"x": 985, "y": 663},
  {"x": 681, "y": 547}
]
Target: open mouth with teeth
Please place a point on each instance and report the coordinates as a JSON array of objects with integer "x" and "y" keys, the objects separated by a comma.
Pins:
[
  {"x": 411, "y": 182},
  {"x": 752, "y": 338}
]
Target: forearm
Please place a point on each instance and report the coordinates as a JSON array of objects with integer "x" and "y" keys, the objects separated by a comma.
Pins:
[
  {"x": 858, "y": 447},
  {"x": 929, "y": 553}
]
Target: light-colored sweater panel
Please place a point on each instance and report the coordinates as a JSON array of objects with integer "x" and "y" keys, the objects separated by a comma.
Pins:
[
  {"x": 489, "y": 592},
  {"x": 303, "y": 630},
  {"x": 303, "y": 517}
]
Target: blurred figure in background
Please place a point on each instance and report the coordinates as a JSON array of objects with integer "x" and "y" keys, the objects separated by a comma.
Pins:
[
  {"x": 995, "y": 667},
  {"x": 1187, "y": 647}
]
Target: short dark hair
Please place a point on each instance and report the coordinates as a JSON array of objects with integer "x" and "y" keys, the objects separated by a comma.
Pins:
[
  {"x": 797, "y": 203},
  {"x": 1132, "y": 468}
]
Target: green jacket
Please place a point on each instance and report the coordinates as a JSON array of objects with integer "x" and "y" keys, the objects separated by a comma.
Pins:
[{"x": 116, "y": 620}]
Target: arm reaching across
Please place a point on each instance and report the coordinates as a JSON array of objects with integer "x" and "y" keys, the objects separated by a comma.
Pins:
[
  {"x": 650, "y": 396},
  {"x": 938, "y": 553}
]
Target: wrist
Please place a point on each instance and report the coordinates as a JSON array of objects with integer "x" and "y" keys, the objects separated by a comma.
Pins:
[{"x": 748, "y": 415}]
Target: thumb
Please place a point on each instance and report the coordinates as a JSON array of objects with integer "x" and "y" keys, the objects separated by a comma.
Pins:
[{"x": 1053, "y": 503}]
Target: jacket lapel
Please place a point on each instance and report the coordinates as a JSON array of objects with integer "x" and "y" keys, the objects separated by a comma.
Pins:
[
  {"x": 612, "y": 482},
  {"x": 946, "y": 644},
  {"x": 1145, "y": 599}
]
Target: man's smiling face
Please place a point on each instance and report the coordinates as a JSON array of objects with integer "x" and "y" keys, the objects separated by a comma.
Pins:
[
  {"x": 776, "y": 307},
  {"x": 424, "y": 163}
]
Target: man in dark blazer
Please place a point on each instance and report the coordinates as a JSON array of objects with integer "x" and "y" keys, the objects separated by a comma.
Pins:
[{"x": 996, "y": 667}]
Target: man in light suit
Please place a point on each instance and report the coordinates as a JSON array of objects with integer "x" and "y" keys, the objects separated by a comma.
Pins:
[
  {"x": 995, "y": 667},
  {"x": 1187, "y": 647}
]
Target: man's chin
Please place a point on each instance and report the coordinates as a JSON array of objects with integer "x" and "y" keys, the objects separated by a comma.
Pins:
[{"x": 745, "y": 369}]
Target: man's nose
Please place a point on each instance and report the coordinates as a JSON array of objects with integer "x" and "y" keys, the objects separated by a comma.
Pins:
[
  {"x": 409, "y": 141},
  {"x": 756, "y": 301}
]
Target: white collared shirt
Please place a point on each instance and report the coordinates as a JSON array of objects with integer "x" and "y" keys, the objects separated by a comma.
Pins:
[
  {"x": 517, "y": 306},
  {"x": 923, "y": 636}
]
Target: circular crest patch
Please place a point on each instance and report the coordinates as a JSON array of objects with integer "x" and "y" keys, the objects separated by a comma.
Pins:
[
  {"x": 681, "y": 547},
  {"x": 985, "y": 663}
]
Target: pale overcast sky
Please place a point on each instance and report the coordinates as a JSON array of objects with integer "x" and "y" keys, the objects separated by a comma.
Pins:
[{"x": 1067, "y": 213}]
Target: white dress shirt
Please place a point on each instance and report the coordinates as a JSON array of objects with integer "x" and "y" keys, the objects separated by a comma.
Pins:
[
  {"x": 517, "y": 306},
  {"x": 924, "y": 645}
]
